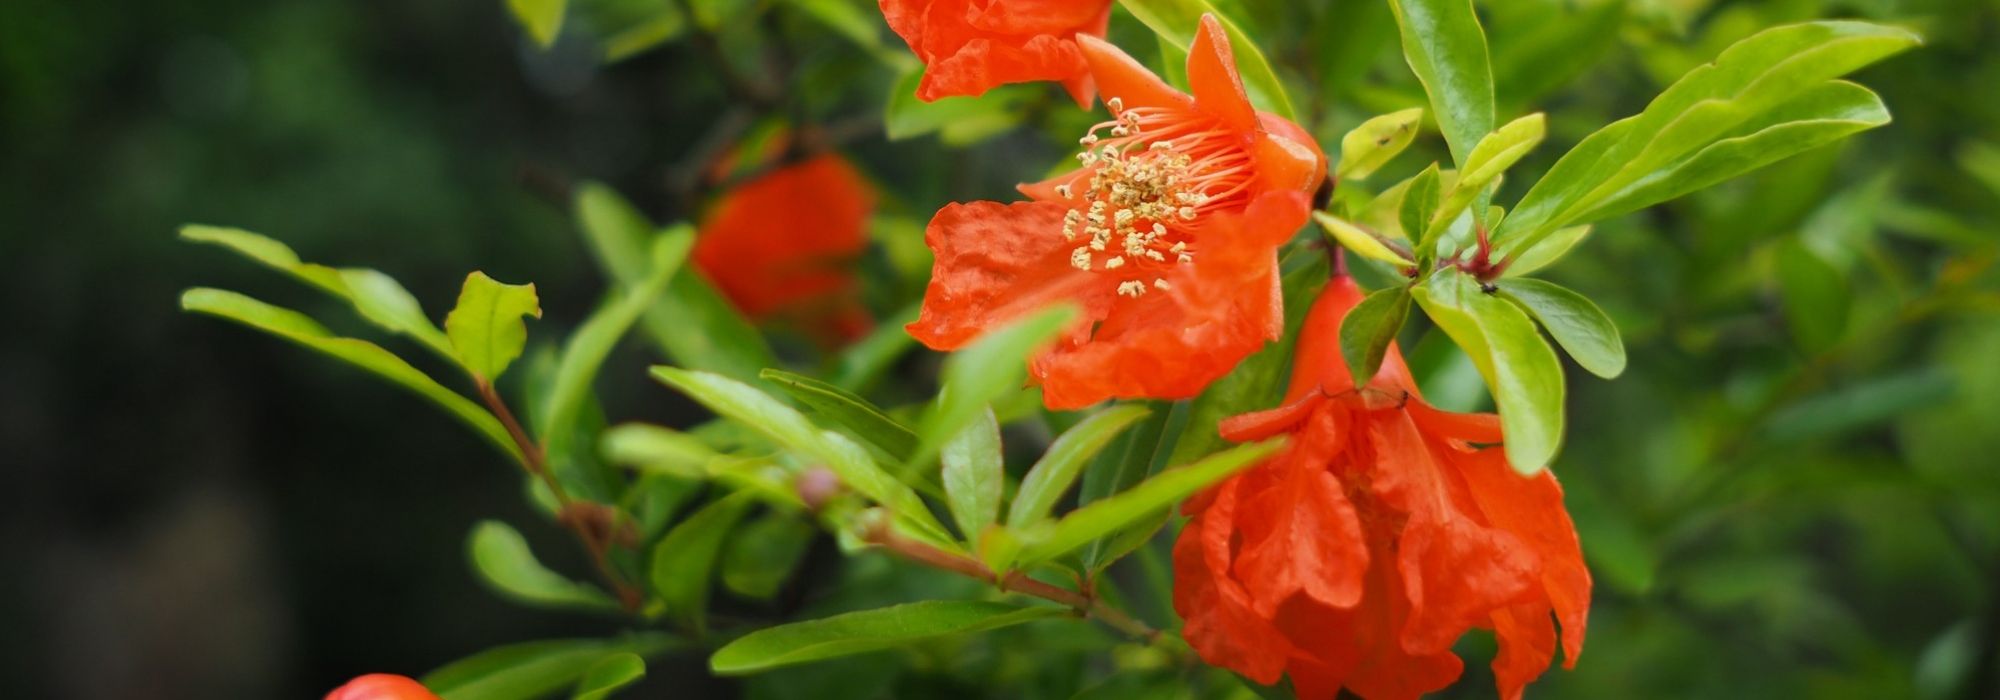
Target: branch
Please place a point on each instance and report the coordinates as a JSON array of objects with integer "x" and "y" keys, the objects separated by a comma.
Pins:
[{"x": 1014, "y": 581}]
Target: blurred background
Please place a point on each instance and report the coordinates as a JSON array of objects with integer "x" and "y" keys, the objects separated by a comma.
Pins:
[{"x": 1792, "y": 493}]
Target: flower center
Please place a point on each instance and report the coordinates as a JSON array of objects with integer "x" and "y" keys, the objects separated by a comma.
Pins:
[{"x": 1158, "y": 170}]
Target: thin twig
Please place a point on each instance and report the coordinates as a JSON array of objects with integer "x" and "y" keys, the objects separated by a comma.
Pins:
[
  {"x": 1014, "y": 581},
  {"x": 535, "y": 461}
]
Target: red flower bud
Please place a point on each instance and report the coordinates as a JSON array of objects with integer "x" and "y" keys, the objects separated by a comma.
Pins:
[{"x": 381, "y": 686}]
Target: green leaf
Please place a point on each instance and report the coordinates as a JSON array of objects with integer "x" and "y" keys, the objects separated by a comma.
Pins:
[
  {"x": 1544, "y": 251},
  {"x": 592, "y": 342},
  {"x": 608, "y": 675},
  {"x": 847, "y": 18},
  {"x": 296, "y": 327},
  {"x": 1574, "y": 321},
  {"x": 378, "y": 297},
  {"x": 1870, "y": 402},
  {"x": 542, "y": 18},
  {"x": 693, "y": 323},
  {"x": 958, "y": 121},
  {"x": 534, "y": 669},
  {"x": 1377, "y": 141},
  {"x": 684, "y": 560},
  {"x": 1517, "y": 364},
  {"x": 1495, "y": 153},
  {"x": 866, "y": 631},
  {"x": 1419, "y": 207},
  {"x": 975, "y": 475},
  {"x": 656, "y": 450},
  {"x": 1058, "y": 469},
  {"x": 1776, "y": 81},
  {"x": 1817, "y": 300},
  {"x": 976, "y": 376},
  {"x": 1361, "y": 241},
  {"x": 486, "y": 329},
  {"x": 865, "y": 420},
  {"x": 758, "y": 411},
  {"x": 1176, "y": 21},
  {"x": 1446, "y": 48},
  {"x": 1367, "y": 331},
  {"x": 501, "y": 556},
  {"x": 1145, "y": 500},
  {"x": 762, "y": 554}
]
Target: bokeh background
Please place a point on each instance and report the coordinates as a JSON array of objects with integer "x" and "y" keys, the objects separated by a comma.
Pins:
[{"x": 1792, "y": 493}]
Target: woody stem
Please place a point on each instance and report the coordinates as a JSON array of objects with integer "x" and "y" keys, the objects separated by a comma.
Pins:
[
  {"x": 534, "y": 459},
  {"x": 1013, "y": 581}
]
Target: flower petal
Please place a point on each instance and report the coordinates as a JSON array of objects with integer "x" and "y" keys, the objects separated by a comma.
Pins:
[
  {"x": 1527, "y": 639},
  {"x": 996, "y": 262},
  {"x": 1220, "y": 624},
  {"x": 1306, "y": 538},
  {"x": 788, "y": 240},
  {"x": 1212, "y": 77},
  {"x": 1119, "y": 75},
  {"x": 1532, "y": 509}
]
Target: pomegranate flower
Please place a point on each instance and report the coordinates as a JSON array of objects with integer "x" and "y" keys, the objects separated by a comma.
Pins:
[
  {"x": 381, "y": 686},
  {"x": 1166, "y": 237},
  {"x": 1384, "y": 532},
  {"x": 971, "y": 46},
  {"x": 784, "y": 245}
]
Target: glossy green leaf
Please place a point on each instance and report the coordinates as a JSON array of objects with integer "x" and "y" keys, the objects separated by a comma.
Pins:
[
  {"x": 1517, "y": 364},
  {"x": 543, "y": 19},
  {"x": 866, "y": 631},
  {"x": 1544, "y": 251},
  {"x": 684, "y": 561},
  {"x": 296, "y": 327},
  {"x": 1058, "y": 469},
  {"x": 1368, "y": 329},
  {"x": 1760, "y": 84},
  {"x": 1376, "y": 142},
  {"x": 693, "y": 323},
  {"x": 860, "y": 417},
  {"x": 534, "y": 669},
  {"x": 1419, "y": 205},
  {"x": 978, "y": 375},
  {"x": 975, "y": 475},
  {"x": 608, "y": 675},
  {"x": 501, "y": 556},
  {"x": 1574, "y": 321},
  {"x": 671, "y": 453},
  {"x": 1145, "y": 500},
  {"x": 1495, "y": 153},
  {"x": 760, "y": 412},
  {"x": 1361, "y": 241},
  {"x": 592, "y": 342},
  {"x": 486, "y": 329},
  {"x": 1817, "y": 300},
  {"x": 1176, "y": 21},
  {"x": 1446, "y": 48},
  {"x": 763, "y": 553},
  {"x": 378, "y": 297}
]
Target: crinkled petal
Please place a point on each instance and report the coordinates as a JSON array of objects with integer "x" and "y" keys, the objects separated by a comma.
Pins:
[
  {"x": 1532, "y": 509},
  {"x": 1527, "y": 637},
  {"x": 1456, "y": 571},
  {"x": 1219, "y": 622},
  {"x": 788, "y": 241},
  {"x": 994, "y": 263},
  {"x": 985, "y": 63},
  {"x": 1302, "y": 537}
]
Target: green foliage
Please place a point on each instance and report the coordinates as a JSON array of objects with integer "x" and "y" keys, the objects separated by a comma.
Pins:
[
  {"x": 974, "y": 475},
  {"x": 982, "y": 373},
  {"x": 543, "y": 19},
  {"x": 1367, "y": 331},
  {"x": 1573, "y": 321},
  {"x": 1377, "y": 141},
  {"x": 866, "y": 631},
  {"x": 1105, "y": 517},
  {"x": 1446, "y": 48},
  {"x": 608, "y": 675},
  {"x": 1518, "y": 365},
  {"x": 684, "y": 561},
  {"x": 1059, "y": 468},
  {"x": 534, "y": 669},
  {"x": 860, "y": 418},
  {"x": 501, "y": 556},
  {"x": 485, "y": 328}
]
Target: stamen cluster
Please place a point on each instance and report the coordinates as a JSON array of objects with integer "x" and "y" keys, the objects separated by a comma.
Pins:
[{"x": 1159, "y": 170}]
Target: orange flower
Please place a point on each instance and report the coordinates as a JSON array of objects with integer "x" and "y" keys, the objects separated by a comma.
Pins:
[
  {"x": 971, "y": 46},
  {"x": 1385, "y": 531},
  {"x": 381, "y": 686},
  {"x": 1166, "y": 237},
  {"x": 784, "y": 244}
]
